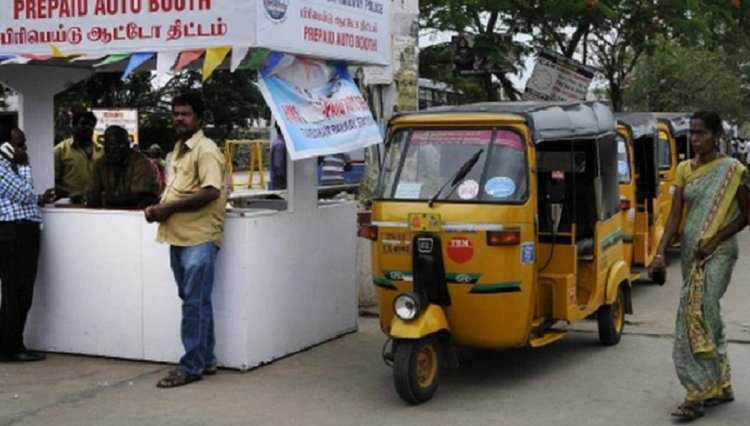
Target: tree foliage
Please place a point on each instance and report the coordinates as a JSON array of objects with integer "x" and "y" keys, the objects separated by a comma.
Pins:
[
  {"x": 678, "y": 78},
  {"x": 611, "y": 35},
  {"x": 233, "y": 102}
]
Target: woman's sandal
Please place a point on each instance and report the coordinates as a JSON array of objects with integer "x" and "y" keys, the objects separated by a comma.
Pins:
[
  {"x": 726, "y": 396},
  {"x": 176, "y": 377},
  {"x": 688, "y": 411}
]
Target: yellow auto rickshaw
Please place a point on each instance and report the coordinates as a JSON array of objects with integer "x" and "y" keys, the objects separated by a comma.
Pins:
[
  {"x": 495, "y": 226},
  {"x": 674, "y": 146},
  {"x": 640, "y": 195}
]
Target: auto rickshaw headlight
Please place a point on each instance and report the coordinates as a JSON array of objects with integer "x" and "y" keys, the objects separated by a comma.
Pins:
[{"x": 407, "y": 306}]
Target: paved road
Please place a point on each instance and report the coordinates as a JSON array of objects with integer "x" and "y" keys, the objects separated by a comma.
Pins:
[{"x": 573, "y": 382}]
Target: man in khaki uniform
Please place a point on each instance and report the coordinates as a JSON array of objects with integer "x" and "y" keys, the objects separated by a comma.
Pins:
[
  {"x": 123, "y": 177},
  {"x": 74, "y": 158},
  {"x": 191, "y": 220}
]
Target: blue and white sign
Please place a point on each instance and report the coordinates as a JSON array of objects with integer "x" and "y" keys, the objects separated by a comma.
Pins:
[
  {"x": 500, "y": 187},
  {"x": 527, "y": 253},
  {"x": 317, "y": 105}
]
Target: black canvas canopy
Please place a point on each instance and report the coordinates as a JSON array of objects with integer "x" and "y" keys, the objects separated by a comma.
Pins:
[{"x": 548, "y": 120}]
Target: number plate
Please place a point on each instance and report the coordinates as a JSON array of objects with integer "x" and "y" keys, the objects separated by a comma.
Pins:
[{"x": 425, "y": 222}]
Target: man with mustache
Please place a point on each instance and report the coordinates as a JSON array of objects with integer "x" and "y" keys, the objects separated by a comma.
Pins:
[
  {"x": 124, "y": 177},
  {"x": 191, "y": 220}
]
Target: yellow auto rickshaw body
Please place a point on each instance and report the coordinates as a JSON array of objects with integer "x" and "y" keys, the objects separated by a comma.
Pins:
[
  {"x": 495, "y": 226},
  {"x": 505, "y": 295},
  {"x": 673, "y": 147},
  {"x": 641, "y": 198}
]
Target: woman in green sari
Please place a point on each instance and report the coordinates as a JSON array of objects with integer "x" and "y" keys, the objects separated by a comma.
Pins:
[{"x": 712, "y": 191}]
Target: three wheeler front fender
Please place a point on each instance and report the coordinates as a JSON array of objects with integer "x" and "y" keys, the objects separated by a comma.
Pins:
[{"x": 431, "y": 320}]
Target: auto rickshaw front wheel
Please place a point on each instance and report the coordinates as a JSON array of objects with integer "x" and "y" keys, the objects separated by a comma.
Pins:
[
  {"x": 611, "y": 320},
  {"x": 416, "y": 368}
]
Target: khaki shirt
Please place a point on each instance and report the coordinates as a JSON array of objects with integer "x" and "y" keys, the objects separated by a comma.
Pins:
[
  {"x": 202, "y": 166},
  {"x": 73, "y": 168},
  {"x": 136, "y": 177}
]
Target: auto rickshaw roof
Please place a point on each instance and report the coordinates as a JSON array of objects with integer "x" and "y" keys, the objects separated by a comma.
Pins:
[
  {"x": 641, "y": 124},
  {"x": 678, "y": 122},
  {"x": 548, "y": 120}
]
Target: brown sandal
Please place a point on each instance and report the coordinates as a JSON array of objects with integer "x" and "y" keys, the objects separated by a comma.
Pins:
[
  {"x": 176, "y": 377},
  {"x": 689, "y": 411}
]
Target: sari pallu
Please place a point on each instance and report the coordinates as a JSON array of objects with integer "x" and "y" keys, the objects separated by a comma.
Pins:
[{"x": 700, "y": 350}]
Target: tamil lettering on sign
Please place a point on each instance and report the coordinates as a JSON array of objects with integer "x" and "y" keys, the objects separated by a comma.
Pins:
[{"x": 347, "y": 30}]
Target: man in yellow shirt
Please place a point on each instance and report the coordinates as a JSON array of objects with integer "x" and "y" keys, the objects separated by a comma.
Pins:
[
  {"x": 74, "y": 158},
  {"x": 191, "y": 220},
  {"x": 123, "y": 177}
]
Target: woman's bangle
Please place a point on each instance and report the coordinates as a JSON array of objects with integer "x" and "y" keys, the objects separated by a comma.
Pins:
[{"x": 658, "y": 255}]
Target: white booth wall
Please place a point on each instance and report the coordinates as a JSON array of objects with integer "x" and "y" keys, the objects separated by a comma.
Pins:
[{"x": 284, "y": 281}]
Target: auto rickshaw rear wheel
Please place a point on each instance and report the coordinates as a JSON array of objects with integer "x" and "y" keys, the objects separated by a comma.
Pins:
[
  {"x": 611, "y": 320},
  {"x": 416, "y": 368}
]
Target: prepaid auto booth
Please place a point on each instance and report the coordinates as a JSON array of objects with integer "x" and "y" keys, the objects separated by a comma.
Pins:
[{"x": 285, "y": 279}]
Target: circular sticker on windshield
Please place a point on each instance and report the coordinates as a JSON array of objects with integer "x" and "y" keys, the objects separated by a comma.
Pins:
[
  {"x": 500, "y": 187},
  {"x": 468, "y": 189}
]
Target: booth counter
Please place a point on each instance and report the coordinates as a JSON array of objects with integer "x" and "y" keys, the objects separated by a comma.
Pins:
[{"x": 285, "y": 280}]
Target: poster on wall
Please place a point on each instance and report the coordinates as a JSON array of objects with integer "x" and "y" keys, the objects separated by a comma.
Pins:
[
  {"x": 317, "y": 106},
  {"x": 557, "y": 78},
  {"x": 123, "y": 117}
]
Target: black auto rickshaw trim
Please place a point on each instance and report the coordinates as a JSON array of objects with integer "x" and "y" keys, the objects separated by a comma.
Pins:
[{"x": 506, "y": 287}]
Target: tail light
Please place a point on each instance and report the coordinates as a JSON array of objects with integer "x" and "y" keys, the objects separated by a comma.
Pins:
[
  {"x": 506, "y": 237},
  {"x": 368, "y": 231},
  {"x": 365, "y": 228},
  {"x": 624, "y": 204}
]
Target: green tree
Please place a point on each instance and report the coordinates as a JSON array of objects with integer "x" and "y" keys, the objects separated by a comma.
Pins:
[
  {"x": 679, "y": 78},
  {"x": 232, "y": 99}
]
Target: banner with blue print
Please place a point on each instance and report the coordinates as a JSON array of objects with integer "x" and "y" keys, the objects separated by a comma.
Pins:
[{"x": 317, "y": 106}]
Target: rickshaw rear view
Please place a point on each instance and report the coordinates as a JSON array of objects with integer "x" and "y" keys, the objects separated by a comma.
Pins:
[
  {"x": 641, "y": 198},
  {"x": 495, "y": 226}
]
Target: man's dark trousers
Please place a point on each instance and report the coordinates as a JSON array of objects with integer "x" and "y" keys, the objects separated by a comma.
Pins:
[{"x": 19, "y": 252}]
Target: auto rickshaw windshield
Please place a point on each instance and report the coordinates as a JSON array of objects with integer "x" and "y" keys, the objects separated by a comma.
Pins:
[{"x": 420, "y": 161}]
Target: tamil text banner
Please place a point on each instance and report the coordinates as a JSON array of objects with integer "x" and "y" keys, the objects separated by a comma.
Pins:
[
  {"x": 557, "y": 78},
  {"x": 317, "y": 105},
  {"x": 117, "y": 26},
  {"x": 347, "y": 30}
]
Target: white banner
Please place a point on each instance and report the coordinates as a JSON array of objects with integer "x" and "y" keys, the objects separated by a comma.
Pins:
[
  {"x": 122, "y": 26},
  {"x": 557, "y": 78},
  {"x": 349, "y": 30},
  {"x": 126, "y": 118}
]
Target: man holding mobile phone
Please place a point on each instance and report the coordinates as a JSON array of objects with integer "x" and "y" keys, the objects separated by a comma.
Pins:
[{"x": 20, "y": 221}]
